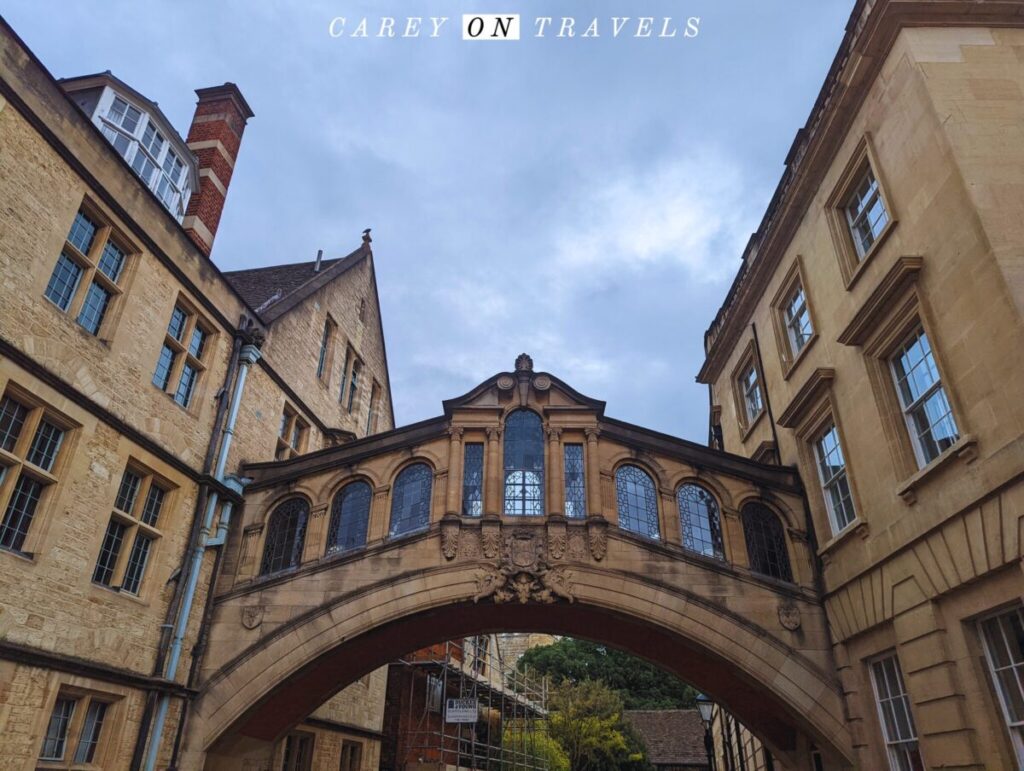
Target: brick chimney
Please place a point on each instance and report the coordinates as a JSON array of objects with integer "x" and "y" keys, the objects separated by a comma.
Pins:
[{"x": 214, "y": 137}]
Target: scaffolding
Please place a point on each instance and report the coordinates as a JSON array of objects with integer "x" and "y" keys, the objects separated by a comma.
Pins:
[{"x": 466, "y": 710}]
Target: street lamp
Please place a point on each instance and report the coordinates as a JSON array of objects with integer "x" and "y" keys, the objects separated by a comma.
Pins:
[{"x": 705, "y": 706}]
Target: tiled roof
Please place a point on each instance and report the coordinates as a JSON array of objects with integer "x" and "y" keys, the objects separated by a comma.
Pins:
[
  {"x": 673, "y": 736},
  {"x": 266, "y": 290}
]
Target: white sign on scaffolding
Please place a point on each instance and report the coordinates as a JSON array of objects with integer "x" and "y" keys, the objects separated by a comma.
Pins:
[{"x": 461, "y": 711}]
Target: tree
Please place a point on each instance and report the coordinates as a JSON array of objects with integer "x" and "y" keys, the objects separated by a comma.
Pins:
[
  {"x": 640, "y": 684},
  {"x": 522, "y": 748},
  {"x": 586, "y": 719}
]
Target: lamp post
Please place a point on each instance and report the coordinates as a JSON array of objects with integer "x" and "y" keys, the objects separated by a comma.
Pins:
[{"x": 705, "y": 706}]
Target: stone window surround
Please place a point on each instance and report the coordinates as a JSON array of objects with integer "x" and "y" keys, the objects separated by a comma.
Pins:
[
  {"x": 290, "y": 420},
  {"x": 808, "y": 413},
  {"x": 105, "y": 231},
  {"x": 794, "y": 277},
  {"x": 134, "y": 525},
  {"x": 12, "y": 463},
  {"x": 881, "y": 324},
  {"x": 325, "y": 351},
  {"x": 747, "y": 360},
  {"x": 851, "y": 264},
  {"x": 182, "y": 354},
  {"x": 84, "y": 688}
]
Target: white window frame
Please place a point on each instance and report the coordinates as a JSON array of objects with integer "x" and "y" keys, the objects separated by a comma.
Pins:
[
  {"x": 897, "y": 750},
  {"x": 909, "y": 409},
  {"x": 874, "y": 195},
  {"x": 792, "y": 320},
  {"x": 750, "y": 383},
  {"x": 835, "y": 479},
  {"x": 1015, "y": 729}
]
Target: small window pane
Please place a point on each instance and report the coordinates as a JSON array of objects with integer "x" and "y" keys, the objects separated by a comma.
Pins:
[
  {"x": 699, "y": 518},
  {"x": 127, "y": 491},
  {"x": 94, "y": 308},
  {"x": 144, "y": 167},
  {"x": 82, "y": 233},
  {"x": 575, "y": 482},
  {"x": 91, "y": 732},
  {"x": 473, "y": 480},
  {"x": 637, "y": 501},
  {"x": 111, "y": 261},
  {"x": 176, "y": 327},
  {"x": 152, "y": 140},
  {"x": 350, "y": 517},
  {"x": 162, "y": 373},
  {"x": 186, "y": 385},
  {"x": 56, "y": 739},
  {"x": 137, "y": 559},
  {"x": 766, "y": 542},
  {"x": 286, "y": 535},
  {"x": 63, "y": 282},
  {"x": 834, "y": 482},
  {"x": 109, "y": 551},
  {"x": 154, "y": 503},
  {"x": 20, "y": 510},
  {"x": 410, "y": 500},
  {"x": 12, "y": 420},
  {"x": 45, "y": 445},
  {"x": 198, "y": 343}
]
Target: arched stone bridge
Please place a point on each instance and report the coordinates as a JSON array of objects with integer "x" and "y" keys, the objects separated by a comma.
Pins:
[{"x": 521, "y": 508}]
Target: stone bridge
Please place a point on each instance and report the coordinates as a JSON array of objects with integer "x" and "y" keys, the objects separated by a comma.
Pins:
[{"x": 521, "y": 508}]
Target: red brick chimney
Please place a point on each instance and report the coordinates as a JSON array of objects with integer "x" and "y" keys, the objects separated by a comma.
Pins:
[{"x": 214, "y": 136}]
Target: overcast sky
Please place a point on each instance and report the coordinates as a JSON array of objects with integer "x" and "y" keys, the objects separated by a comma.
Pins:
[{"x": 585, "y": 201}]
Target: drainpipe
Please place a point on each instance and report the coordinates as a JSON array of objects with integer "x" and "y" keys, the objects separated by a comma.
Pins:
[{"x": 249, "y": 355}]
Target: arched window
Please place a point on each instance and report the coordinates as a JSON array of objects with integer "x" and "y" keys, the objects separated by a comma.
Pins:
[
  {"x": 637, "y": 501},
  {"x": 524, "y": 464},
  {"x": 350, "y": 515},
  {"x": 410, "y": 500},
  {"x": 766, "y": 542},
  {"x": 700, "y": 522},
  {"x": 286, "y": 534}
]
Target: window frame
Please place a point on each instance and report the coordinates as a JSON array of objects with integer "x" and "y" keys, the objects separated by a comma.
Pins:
[
  {"x": 785, "y": 553},
  {"x": 90, "y": 273},
  {"x": 781, "y": 324},
  {"x": 15, "y": 465},
  {"x": 288, "y": 443},
  {"x": 717, "y": 548},
  {"x": 906, "y": 704},
  {"x": 183, "y": 356},
  {"x": 325, "y": 354},
  {"x": 135, "y": 528},
  {"x": 1014, "y": 730},
  {"x": 83, "y": 698},
  {"x": 826, "y": 426},
  {"x": 852, "y": 260},
  {"x": 747, "y": 363},
  {"x": 655, "y": 499},
  {"x": 523, "y": 504}
]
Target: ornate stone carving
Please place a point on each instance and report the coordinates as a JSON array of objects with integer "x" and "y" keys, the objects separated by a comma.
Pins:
[
  {"x": 493, "y": 433},
  {"x": 558, "y": 539},
  {"x": 456, "y": 432},
  {"x": 450, "y": 537},
  {"x": 542, "y": 382},
  {"x": 469, "y": 545},
  {"x": 506, "y": 382},
  {"x": 524, "y": 363},
  {"x": 789, "y": 615},
  {"x": 577, "y": 546},
  {"x": 597, "y": 535},
  {"x": 524, "y": 575},
  {"x": 252, "y": 616},
  {"x": 490, "y": 538}
]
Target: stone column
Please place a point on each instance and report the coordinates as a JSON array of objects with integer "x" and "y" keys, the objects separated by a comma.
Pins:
[
  {"x": 493, "y": 472},
  {"x": 454, "y": 497},
  {"x": 932, "y": 680},
  {"x": 379, "y": 515},
  {"x": 316, "y": 534},
  {"x": 556, "y": 472},
  {"x": 593, "y": 473}
]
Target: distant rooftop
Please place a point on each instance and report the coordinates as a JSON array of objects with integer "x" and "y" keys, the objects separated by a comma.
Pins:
[{"x": 674, "y": 737}]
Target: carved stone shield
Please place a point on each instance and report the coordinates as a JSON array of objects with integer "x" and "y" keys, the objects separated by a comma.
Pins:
[{"x": 252, "y": 616}]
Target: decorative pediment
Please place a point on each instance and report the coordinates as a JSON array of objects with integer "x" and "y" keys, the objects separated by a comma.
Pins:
[{"x": 523, "y": 387}]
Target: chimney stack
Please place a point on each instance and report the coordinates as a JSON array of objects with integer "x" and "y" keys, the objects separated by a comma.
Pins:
[
  {"x": 319, "y": 259},
  {"x": 214, "y": 137}
]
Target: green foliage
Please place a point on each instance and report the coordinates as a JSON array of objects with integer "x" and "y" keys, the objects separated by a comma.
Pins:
[
  {"x": 639, "y": 684},
  {"x": 585, "y": 718},
  {"x": 521, "y": 745}
]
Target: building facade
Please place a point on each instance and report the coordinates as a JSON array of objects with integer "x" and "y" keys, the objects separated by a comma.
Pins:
[
  {"x": 135, "y": 377},
  {"x": 872, "y": 340}
]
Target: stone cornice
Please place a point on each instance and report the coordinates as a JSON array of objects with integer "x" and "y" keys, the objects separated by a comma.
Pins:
[
  {"x": 901, "y": 275},
  {"x": 809, "y": 393},
  {"x": 870, "y": 35}
]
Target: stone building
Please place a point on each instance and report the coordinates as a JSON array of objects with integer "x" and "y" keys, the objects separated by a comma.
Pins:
[
  {"x": 135, "y": 377},
  {"x": 872, "y": 339}
]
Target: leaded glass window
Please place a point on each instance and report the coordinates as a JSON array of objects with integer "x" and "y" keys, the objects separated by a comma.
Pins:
[
  {"x": 286, "y": 535},
  {"x": 473, "y": 480},
  {"x": 575, "y": 482},
  {"x": 350, "y": 517},
  {"x": 700, "y": 521},
  {"x": 766, "y": 542},
  {"x": 410, "y": 500},
  {"x": 637, "y": 500},
  {"x": 925, "y": 406},
  {"x": 524, "y": 464}
]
